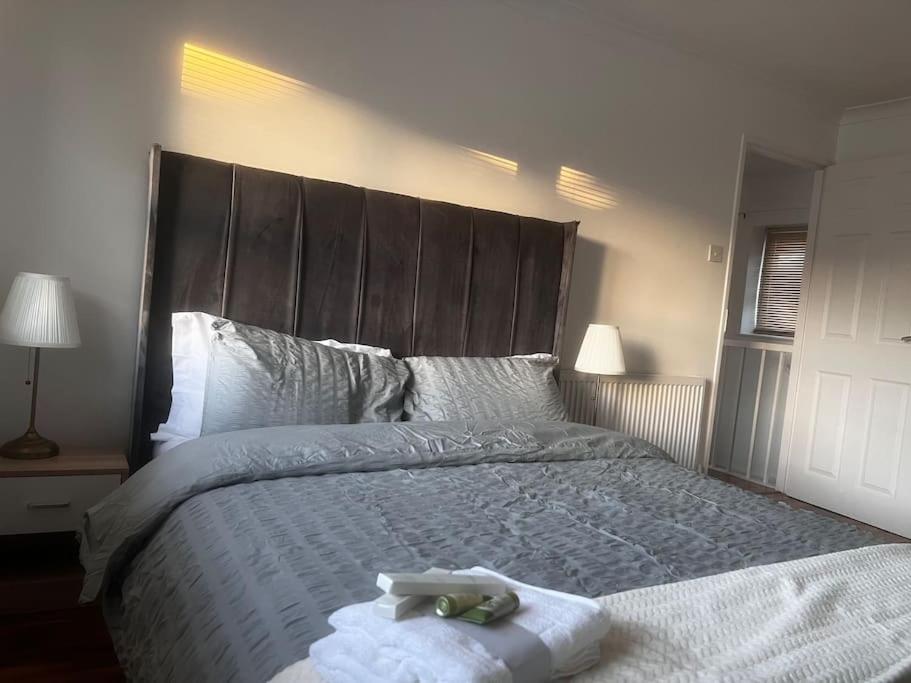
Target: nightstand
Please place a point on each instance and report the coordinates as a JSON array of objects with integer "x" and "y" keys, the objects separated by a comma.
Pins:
[{"x": 39, "y": 496}]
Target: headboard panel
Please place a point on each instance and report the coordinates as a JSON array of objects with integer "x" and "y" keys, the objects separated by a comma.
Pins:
[{"x": 322, "y": 259}]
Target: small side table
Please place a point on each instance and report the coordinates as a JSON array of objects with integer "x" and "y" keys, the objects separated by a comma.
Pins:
[{"x": 41, "y": 496}]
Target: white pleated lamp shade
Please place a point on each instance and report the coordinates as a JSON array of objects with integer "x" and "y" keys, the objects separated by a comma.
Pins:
[
  {"x": 602, "y": 351},
  {"x": 39, "y": 312}
]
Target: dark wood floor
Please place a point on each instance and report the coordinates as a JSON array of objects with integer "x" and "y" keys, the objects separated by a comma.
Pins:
[
  {"x": 46, "y": 636},
  {"x": 57, "y": 645}
]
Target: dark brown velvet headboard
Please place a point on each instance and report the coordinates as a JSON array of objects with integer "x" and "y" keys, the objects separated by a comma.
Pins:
[{"x": 321, "y": 259}]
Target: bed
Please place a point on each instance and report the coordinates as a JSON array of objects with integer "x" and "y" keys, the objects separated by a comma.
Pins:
[{"x": 221, "y": 559}]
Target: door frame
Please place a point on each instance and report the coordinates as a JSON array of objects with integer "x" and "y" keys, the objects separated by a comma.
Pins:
[{"x": 752, "y": 144}]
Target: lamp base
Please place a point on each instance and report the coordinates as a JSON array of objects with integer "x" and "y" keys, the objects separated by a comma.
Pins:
[{"x": 29, "y": 446}]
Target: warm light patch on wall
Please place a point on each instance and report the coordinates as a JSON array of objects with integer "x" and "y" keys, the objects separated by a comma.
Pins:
[
  {"x": 492, "y": 161},
  {"x": 584, "y": 189},
  {"x": 216, "y": 75}
]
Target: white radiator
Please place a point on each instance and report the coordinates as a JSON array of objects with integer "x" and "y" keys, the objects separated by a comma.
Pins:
[{"x": 667, "y": 411}]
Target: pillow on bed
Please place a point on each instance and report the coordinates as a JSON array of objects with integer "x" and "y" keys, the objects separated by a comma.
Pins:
[
  {"x": 191, "y": 341},
  {"x": 262, "y": 378},
  {"x": 513, "y": 388}
]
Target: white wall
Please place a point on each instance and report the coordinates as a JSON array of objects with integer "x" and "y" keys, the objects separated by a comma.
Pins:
[
  {"x": 399, "y": 87},
  {"x": 877, "y": 130},
  {"x": 778, "y": 191}
]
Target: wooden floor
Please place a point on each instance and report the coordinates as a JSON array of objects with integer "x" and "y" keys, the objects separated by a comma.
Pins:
[
  {"x": 46, "y": 636},
  {"x": 57, "y": 645},
  {"x": 772, "y": 494}
]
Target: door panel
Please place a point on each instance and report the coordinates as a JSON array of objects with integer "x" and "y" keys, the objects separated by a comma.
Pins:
[
  {"x": 844, "y": 285},
  {"x": 885, "y": 435},
  {"x": 850, "y": 449},
  {"x": 894, "y": 312},
  {"x": 830, "y": 408}
]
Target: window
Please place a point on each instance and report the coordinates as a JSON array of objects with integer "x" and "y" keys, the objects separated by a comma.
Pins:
[{"x": 778, "y": 297}]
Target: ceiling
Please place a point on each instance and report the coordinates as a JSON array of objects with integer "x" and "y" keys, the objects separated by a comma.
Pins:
[{"x": 849, "y": 52}]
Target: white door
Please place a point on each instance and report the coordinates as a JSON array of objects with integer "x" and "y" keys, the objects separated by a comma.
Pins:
[{"x": 850, "y": 449}]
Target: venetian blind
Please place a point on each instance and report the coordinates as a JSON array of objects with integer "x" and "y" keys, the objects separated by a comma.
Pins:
[{"x": 779, "y": 282}]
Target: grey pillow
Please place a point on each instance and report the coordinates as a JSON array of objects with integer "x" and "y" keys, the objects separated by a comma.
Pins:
[
  {"x": 262, "y": 378},
  {"x": 443, "y": 388}
]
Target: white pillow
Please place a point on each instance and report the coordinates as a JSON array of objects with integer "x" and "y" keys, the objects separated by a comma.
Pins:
[
  {"x": 191, "y": 341},
  {"x": 357, "y": 348}
]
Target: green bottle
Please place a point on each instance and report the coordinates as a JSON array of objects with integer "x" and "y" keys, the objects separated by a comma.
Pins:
[
  {"x": 492, "y": 609},
  {"x": 454, "y": 604}
]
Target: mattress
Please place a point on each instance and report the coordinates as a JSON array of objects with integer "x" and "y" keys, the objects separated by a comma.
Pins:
[{"x": 222, "y": 559}]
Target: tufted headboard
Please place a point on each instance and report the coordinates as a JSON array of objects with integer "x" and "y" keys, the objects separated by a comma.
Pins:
[{"x": 322, "y": 259}]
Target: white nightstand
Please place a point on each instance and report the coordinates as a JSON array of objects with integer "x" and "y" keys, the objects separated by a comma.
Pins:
[{"x": 38, "y": 496}]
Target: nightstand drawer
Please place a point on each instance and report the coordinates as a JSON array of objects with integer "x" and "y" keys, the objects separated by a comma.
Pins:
[{"x": 31, "y": 505}]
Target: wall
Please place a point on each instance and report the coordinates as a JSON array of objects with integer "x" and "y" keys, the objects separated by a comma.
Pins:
[
  {"x": 877, "y": 130},
  {"x": 394, "y": 92}
]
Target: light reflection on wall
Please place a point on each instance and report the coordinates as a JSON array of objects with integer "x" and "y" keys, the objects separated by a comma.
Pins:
[
  {"x": 584, "y": 189},
  {"x": 234, "y": 110},
  {"x": 492, "y": 161},
  {"x": 212, "y": 74}
]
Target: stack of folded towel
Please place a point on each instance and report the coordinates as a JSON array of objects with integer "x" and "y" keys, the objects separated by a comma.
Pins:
[{"x": 424, "y": 647}]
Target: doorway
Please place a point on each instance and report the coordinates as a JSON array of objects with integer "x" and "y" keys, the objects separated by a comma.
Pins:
[{"x": 767, "y": 266}]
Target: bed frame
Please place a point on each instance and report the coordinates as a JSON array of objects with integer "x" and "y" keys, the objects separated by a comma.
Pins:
[{"x": 321, "y": 259}]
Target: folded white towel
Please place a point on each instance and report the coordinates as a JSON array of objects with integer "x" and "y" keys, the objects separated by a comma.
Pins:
[{"x": 423, "y": 647}]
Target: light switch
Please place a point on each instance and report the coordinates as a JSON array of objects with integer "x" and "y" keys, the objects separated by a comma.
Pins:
[{"x": 716, "y": 253}]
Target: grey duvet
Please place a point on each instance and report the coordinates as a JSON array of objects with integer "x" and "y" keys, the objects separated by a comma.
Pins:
[{"x": 221, "y": 560}]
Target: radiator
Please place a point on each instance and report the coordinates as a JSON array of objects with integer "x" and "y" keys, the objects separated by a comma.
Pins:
[{"x": 667, "y": 411}]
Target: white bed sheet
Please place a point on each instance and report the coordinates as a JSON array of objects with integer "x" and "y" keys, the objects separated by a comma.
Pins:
[{"x": 839, "y": 617}]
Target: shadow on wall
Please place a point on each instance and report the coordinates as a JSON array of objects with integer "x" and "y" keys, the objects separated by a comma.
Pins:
[
  {"x": 588, "y": 265},
  {"x": 592, "y": 267},
  {"x": 638, "y": 355},
  {"x": 61, "y": 365}
]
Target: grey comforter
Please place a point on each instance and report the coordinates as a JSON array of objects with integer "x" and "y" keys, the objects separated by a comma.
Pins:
[{"x": 222, "y": 559}]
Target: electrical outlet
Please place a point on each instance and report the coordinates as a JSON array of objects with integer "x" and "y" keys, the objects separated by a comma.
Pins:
[{"x": 716, "y": 253}]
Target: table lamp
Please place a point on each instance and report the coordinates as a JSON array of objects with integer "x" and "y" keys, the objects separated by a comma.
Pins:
[
  {"x": 602, "y": 351},
  {"x": 39, "y": 314}
]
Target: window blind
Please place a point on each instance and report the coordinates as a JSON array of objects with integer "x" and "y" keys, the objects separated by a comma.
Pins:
[{"x": 778, "y": 297}]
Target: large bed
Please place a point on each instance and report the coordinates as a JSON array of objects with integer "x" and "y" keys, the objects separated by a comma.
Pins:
[{"x": 222, "y": 559}]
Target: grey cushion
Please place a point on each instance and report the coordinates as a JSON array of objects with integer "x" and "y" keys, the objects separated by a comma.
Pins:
[
  {"x": 443, "y": 388},
  {"x": 262, "y": 378}
]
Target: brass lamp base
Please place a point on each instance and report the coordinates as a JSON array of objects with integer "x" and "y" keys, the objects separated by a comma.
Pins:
[{"x": 29, "y": 446}]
